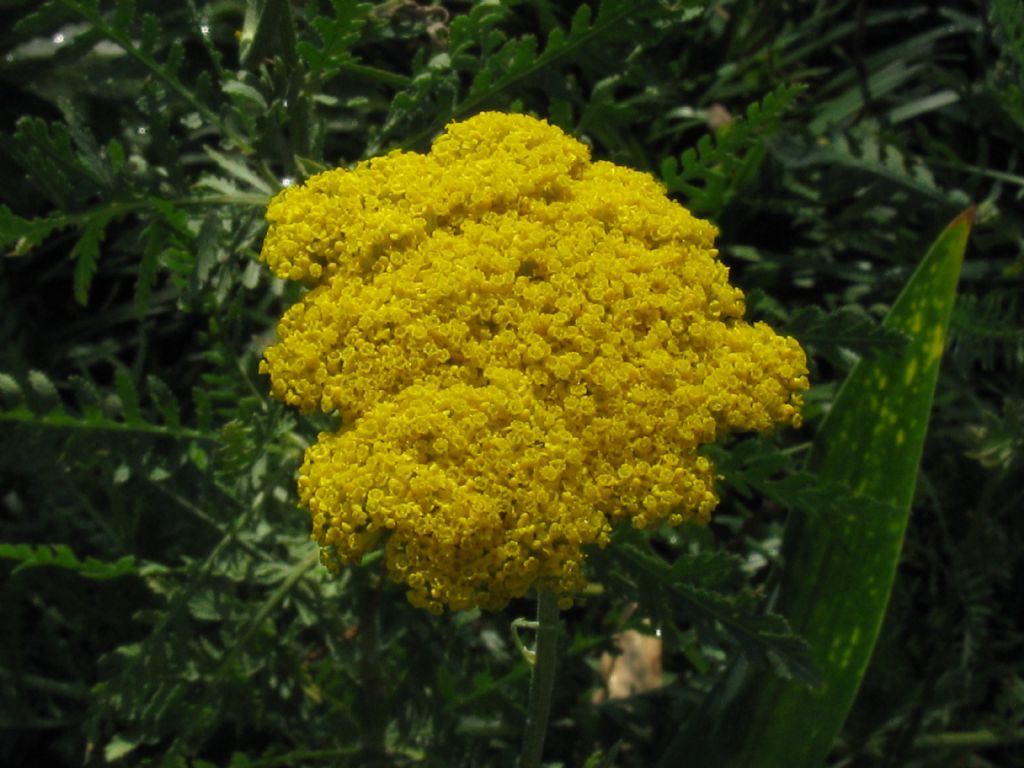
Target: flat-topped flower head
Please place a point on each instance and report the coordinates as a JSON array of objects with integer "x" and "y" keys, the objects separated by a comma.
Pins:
[{"x": 524, "y": 346}]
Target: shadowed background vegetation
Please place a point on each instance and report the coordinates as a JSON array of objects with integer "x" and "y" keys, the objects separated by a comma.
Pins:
[{"x": 161, "y": 601}]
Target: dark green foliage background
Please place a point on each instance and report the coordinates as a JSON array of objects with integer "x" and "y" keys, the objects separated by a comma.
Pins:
[{"x": 161, "y": 603}]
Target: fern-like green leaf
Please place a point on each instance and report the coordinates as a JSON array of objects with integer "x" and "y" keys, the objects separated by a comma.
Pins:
[
  {"x": 764, "y": 637},
  {"x": 62, "y": 556},
  {"x": 123, "y": 15},
  {"x": 149, "y": 265},
  {"x": 165, "y": 401},
  {"x": 45, "y": 17},
  {"x": 847, "y": 328},
  {"x": 706, "y": 568},
  {"x": 46, "y": 397},
  {"x": 175, "y": 58},
  {"x": 10, "y": 391},
  {"x": 868, "y": 159},
  {"x": 35, "y": 400},
  {"x": 26, "y": 234},
  {"x": 988, "y": 329},
  {"x": 246, "y": 93},
  {"x": 46, "y": 153},
  {"x": 708, "y": 174},
  {"x": 820, "y": 500},
  {"x": 86, "y": 254},
  {"x": 129, "y": 395},
  {"x": 337, "y": 36},
  {"x": 998, "y": 441},
  {"x": 238, "y": 169},
  {"x": 513, "y": 63}
]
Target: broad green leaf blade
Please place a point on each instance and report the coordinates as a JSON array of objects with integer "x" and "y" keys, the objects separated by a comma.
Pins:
[{"x": 839, "y": 570}]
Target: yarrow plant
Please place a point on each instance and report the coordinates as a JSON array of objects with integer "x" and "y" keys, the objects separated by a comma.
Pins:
[{"x": 525, "y": 347}]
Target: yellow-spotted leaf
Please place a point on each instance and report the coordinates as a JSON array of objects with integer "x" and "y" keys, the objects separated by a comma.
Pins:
[{"x": 838, "y": 567}]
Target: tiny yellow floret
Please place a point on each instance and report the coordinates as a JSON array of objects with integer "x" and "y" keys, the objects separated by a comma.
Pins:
[{"x": 524, "y": 347}]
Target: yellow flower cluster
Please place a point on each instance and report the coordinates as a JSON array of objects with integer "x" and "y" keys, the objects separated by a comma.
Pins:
[{"x": 524, "y": 346}]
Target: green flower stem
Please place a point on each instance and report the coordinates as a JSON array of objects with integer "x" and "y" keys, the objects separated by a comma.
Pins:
[
  {"x": 542, "y": 682},
  {"x": 969, "y": 739},
  {"x": 374, "y": 716}
]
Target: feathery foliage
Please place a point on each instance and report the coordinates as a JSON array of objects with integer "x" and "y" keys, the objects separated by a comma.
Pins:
[{"x": 163, "y": 602}]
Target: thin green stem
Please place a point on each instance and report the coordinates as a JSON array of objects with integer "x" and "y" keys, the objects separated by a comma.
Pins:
[
  {"x": 298, "y": 573},
  {"x": 372, "y": 699},
  {"x": 969, "y": 739},
  {"x": 62, "y": 420},
  {"x": 78, "y": 691},
  {"x": 358, "y": 69},
  {"x": 542, "y": 682}
]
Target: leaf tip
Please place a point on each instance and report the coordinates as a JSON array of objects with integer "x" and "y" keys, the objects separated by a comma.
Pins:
[{"x": 966, "y": 218}]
